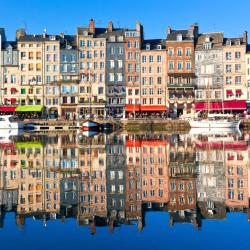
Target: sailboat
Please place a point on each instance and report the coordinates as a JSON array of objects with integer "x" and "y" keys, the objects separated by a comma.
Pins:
[
  {"x": 215, "y": 121},
  {"x": 89, "y": 124}
]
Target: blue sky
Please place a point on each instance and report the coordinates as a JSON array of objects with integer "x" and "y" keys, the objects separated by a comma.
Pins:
[{"x": 57, "y": 16}]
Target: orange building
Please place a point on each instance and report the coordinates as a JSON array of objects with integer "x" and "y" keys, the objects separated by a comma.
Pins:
[
  {"x": 180, "y": 69},
  {"x": 133, "y": 39}
]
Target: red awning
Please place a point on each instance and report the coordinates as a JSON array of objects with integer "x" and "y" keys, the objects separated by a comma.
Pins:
[
  {"x": 133, "y": 143},
  {"x": 212, "y": 106},
  {"x": 153, "y": 142},
  {"x": 238, "y": 91},
  {"x": 13, "y": 100},
  {"x": 220, "y": 145},
  {"x": 229, "y": 92},
  {"x": 235, "y": 105},
  {"x": 13, "y": 90},
  {"x": 132, "y": 107},
  {"x": 153, "y": 108},
  {"x": 7, "y": 109}
]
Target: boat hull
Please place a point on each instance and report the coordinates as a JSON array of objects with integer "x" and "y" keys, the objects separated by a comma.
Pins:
[
  {"x": 90, "y": 126},
  {"x": 214, "y": 124}
]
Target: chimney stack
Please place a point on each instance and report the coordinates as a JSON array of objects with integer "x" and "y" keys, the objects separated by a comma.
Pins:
[
  {"x": 92, "y": 26},
  {"x": 169, "y": 30},
  {"x": 194, "y": 30},
  {"x": 245, "y": 37},
  {"x": 110, "y": 26},
  {"x": 20, "y": 33}
]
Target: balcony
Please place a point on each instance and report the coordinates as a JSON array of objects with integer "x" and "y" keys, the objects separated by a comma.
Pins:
[{"x": 181, "y": 85}]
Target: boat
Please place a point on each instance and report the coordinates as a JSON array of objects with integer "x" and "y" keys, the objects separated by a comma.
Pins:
[
  {"x": 90, "y": 126},
  {"x": 8, "y": 122},
  {"x": 215, "y": 121}
]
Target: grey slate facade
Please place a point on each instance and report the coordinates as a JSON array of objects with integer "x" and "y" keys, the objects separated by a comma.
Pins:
[
  {"x": 209, "y": 66},
  {"x": 68, "y": 57},
  {"x": 116, "y": 177},
  {"x": 115, "y": 72}
]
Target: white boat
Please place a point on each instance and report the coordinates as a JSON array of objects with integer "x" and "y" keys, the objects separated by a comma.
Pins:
[
  {"x": 90, "y": 126},
  {"x": 215, "y": 121},
  {"x": 8, "y": 122}
]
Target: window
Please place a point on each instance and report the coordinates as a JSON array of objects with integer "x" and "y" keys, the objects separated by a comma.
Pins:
[
  {"x": 159, "y": 47},
  {"x": 111, "y": 77},
  {"x": 158, "y": 59},
  {"x": 179, "y": 52},
  {"x": 170, "y": 51},
  {"x": 120, "y": 51},
  {"x": 188, "y": 65},
  {"x": 171, "y": 65},
  {"x": 179, "y": 37},
  {"x": 112, "y": 64},
  {"x": 237, "y": 68},
  {"x": 238, "y": 80},
  {"x": 148, "y": 47},
  {"x": 119, "y": 77},
  {"x": 207, "y": 46},
  {"x": 179, "y": 65},
  {"x": 228, "y": 55},
  {"x": 144, "y": 59},
  {"x": 100, "y": 90},
  {"x": 228, "y": 80},
  {"x": 151, "y": 59},
  {"x": 112, "y": 50},
  {"x": 237, "y": 55},
  {"x": 188, "y": 52},
  {"x": 228, "y": 68},
  {"x": 158, "y": 80}
]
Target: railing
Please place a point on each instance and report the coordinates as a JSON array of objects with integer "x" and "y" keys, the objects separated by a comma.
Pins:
[{"x": 181, "y": 85}]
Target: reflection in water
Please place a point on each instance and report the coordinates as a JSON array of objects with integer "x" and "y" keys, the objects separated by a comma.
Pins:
[{"x": 110, "y": 180}]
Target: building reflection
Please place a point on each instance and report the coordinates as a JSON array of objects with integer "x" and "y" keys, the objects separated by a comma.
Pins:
[{"x": 114, "y": 179}]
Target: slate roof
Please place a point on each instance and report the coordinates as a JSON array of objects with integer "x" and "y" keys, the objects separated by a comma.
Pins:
[
  {"x": 69, "y": 40},
  {"x": 153, "y": 43},
  {"x": 234, "y": 41},
  {"x": 5, "y": 44},
  {"x": 174, "y": 33},
  {"x": 216, "y": 38},
  {"x": 38, "y": 38}
]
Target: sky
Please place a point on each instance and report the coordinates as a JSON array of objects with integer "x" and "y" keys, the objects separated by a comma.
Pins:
[{"x": 229, "y": 16}]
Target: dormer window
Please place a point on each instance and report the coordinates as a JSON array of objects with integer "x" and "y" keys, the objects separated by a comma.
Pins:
[
  {"x": 228, "y": 42},
  {"x": 112, "y": 38},
  {"x": 147, "y": 46},
  {"x": 52, "y": 38},
  {"x": 237, "y": 42},
  {"x": 207, "y": 45},
  {"x": 159, "y": 47},
  {"x": 85, "y": 33},
  {"x": 207, "y": 39},
  {"x": 179, "y": 37}
]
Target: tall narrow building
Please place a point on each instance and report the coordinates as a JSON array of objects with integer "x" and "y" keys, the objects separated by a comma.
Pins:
[
  {"x": 115, "y": 71},
  {"x": 91, "y": 42},
  {"x": 133, "y": 39},
  {"x": 180, "y": 71}
]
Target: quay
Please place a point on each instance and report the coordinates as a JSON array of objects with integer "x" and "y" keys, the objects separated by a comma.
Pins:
[{"x": 115, "y": 124}]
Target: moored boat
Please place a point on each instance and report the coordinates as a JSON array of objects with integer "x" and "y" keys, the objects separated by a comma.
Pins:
[
  {"x": 90, "y": 126},
  {"x": 8, "y": 122}
]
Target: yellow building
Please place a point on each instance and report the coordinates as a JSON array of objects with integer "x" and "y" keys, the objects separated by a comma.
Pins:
[{"x": 91, "y": 42}]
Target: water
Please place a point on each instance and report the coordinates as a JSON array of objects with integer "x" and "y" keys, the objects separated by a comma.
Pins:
[{"x": 124, "y": 190}]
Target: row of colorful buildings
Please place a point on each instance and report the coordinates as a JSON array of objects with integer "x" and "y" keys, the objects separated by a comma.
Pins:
[
  {"x": 110, "y": 71},
  {"x": 115, "y": 179}
]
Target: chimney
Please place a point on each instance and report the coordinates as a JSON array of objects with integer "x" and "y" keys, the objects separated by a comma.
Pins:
[
  {"x": 110, "y": 26},
  {"x": 169, "y": 30},
  {"x": 92, "y": 26},
  {"x": 44, "y": 33},
  {"x": 194, "y": 30},
  {"x": 139, "y": 28},
  {"x": 245, "y": 37},
  {"x": 20, "y": 33},
  {"x": 62, "y": 34}
]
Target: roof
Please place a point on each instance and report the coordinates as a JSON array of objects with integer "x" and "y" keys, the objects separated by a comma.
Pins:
[
  {"x": 153, "y": 43},
  {"x": 234, "y": 41},
  {"x": 174, "y": 33},
  {"x": 216, "y": 38},
  {"x": 69, "y": 40},
  {"x": 38, "y": 38},
  {"x": 6, "y": 44}
]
